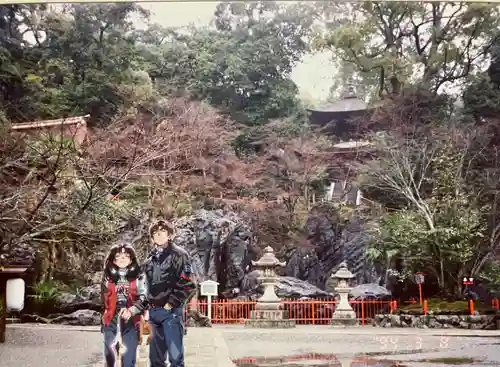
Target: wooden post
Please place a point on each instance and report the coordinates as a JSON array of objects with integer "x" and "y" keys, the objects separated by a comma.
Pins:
[{"x": 3, "y": 311}]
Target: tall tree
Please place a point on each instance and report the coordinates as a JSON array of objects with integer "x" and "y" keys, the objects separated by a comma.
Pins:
[
  {"x": 80, "y": 59},
  {"x": 394, "y": 45}
]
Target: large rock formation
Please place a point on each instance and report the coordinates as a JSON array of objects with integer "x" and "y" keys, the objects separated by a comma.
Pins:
[
  {"x": 287, "y": 287},
  {"x": 220, "y": 243},
  {"x": 332, "y": 240}
]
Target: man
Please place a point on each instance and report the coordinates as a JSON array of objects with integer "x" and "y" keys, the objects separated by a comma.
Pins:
[{"x": 168, "y": 283}]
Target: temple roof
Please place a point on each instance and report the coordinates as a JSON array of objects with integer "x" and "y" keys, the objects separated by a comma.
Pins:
[{"x": 349, "y": 102}]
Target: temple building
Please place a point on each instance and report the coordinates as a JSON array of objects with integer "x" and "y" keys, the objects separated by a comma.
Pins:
[{"x": 343, "y": 119}]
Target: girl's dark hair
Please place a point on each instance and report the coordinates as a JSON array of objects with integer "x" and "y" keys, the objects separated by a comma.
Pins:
[{"x": 111, "y": 270}]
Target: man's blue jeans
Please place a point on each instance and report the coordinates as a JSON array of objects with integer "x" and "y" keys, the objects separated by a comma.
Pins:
[{"x": 167, "y": 335}]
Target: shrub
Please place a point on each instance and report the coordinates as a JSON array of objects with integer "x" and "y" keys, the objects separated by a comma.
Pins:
[
  {"x": 441, "y": 307},
  {"x": 44, "y": 297}
]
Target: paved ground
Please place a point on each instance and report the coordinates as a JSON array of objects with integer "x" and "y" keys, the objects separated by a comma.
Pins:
[
  {"x": 35, "y": 346},
  {"x": 31, "y": 345},
  {"x": 203, "y": 348},
  {"x": 407, "y": 345}
]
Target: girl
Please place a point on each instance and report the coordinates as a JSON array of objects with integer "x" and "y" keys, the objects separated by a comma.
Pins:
[{"x": 120, "y": 289}]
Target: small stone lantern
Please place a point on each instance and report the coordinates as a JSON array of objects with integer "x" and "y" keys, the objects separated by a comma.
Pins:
[
  {"x": 269, "y": 311},
  {"x": 344, "y": 315}
]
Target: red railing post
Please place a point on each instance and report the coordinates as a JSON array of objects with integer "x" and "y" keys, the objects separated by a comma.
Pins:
[
  {"x": 362, "y": 312},
  {"x": 426, "y": 307},
  {"x": 393, "y": 306},
  {"x": 471, "y": 306}
]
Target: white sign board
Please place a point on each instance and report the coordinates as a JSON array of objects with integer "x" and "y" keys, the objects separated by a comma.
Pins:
[
  {"x": 419, "y": 278},
  {"x": 15, "y": 294},
  {"x": 209, "y": 288}
]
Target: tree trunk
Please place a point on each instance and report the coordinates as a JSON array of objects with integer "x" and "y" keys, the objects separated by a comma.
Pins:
[
  {"x": 441, "y": 274},
  {"x": 52, "y": 261},
  {"x": 460, "y": 289}
]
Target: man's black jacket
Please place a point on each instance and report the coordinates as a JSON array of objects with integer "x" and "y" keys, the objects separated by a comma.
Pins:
[{"x": 167, "y": 279}]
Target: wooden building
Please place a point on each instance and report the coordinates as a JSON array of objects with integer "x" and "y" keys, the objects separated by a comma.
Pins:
[
  {"x": 72, "y": 128},
  {"x": 344, "y": 117},
  {"x": 345, "y": 120}
]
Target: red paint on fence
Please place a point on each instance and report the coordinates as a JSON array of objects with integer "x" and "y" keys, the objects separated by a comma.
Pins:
[{"x": 304, "y": 312}]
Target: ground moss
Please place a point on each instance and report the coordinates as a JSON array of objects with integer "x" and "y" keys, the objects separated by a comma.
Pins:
[{"x": 443, "y": 307}]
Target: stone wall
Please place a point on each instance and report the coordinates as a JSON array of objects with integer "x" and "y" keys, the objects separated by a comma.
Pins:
[{"x": 485, "y": 322}]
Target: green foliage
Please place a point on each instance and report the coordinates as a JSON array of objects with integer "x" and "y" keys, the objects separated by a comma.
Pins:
[
  {"x": 490, "y": 275},
  {"x": 92, "y": 60},
  {"x": 50, "y": 149},
  {"x": 443, "y": 230},
  {"x": 393, "y": 45},
  {"x": 84, "y": 64},
  {"x": 243, "y": 72},
  {"x": 482, "y": 97},
  {"x": 44, "y": 296},
  {"x": 104, "y": 216},
  {"x": 438, "y": 306}
]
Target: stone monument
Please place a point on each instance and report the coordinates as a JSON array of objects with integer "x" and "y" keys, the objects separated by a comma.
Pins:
[
  {"x": 269, "y": 311},
  {"x": 344, "y": 315}
]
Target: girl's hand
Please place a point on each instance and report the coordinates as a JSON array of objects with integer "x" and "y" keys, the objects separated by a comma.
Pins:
[{"x": 125, "y": 314}]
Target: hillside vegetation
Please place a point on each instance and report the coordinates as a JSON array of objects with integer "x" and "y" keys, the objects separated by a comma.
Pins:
[{"x": 208, "y": 117}]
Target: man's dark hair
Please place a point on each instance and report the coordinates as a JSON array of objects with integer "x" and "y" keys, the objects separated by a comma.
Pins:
[{"x": 161, "y": 225}]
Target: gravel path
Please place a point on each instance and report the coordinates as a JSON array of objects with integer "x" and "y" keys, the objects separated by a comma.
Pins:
[
  {"x": 407, "y": 345},
  {"x": 35, "y": 346}
]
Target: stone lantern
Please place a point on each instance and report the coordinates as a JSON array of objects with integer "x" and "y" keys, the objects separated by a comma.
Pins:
[
  {"x": 344, "y": 315},
  {"x": 268, "y": 311}
]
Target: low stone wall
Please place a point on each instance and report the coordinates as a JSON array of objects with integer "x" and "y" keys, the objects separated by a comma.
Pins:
[{"x": 484, "y": 322}]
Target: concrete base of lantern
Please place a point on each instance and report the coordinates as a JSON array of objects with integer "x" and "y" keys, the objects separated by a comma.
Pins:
[
  {"x": 268, "y": 317},
  {"x": 343, "y": 318},
  {"x": 270, "y": 324}
]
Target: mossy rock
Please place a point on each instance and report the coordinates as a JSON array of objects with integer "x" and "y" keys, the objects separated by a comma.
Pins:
[{"x": 442, "y": 307}]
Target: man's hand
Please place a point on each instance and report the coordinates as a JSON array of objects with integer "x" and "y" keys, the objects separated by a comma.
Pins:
[{"x": 125, "y": 314}]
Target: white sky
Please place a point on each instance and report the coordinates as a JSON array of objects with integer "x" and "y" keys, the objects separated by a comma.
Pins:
[{"x": 313, "y": 76}]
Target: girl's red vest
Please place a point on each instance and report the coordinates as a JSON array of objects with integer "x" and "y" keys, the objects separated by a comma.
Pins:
[{"x": 110, "y": 299}]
